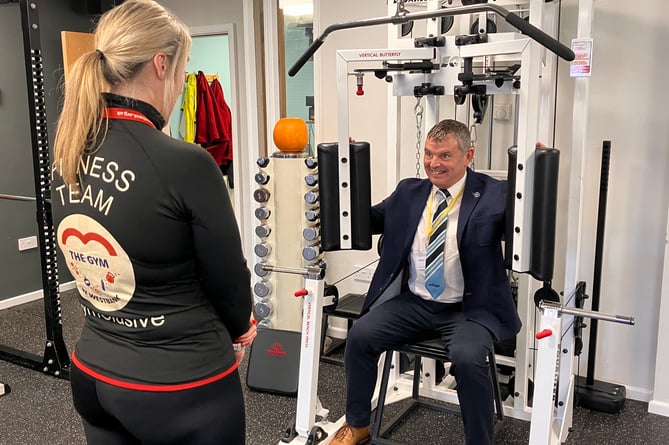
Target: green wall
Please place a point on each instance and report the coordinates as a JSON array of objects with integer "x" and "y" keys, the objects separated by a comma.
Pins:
[{"x": 297, "y": 40}]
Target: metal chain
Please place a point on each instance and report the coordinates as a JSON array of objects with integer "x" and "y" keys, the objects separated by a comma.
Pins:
[
  {"x": 418, "y": 111},
  {"x": 474, "y": 137}
]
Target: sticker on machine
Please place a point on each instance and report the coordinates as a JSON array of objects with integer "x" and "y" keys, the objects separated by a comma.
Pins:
[{"x": 100, "y": 267}]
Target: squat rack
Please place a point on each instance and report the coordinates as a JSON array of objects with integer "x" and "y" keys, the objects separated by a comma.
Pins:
[{"x": 55, "y": 360}]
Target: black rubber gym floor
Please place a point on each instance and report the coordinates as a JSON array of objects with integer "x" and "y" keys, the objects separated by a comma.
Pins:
[{"x": 38, "y": 410}]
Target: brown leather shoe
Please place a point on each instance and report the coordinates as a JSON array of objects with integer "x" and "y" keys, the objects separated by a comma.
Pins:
[{"x": 348, "y": 435}]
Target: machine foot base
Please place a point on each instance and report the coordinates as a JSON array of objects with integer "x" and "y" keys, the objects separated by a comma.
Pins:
[{"x": 600, "y": 396}]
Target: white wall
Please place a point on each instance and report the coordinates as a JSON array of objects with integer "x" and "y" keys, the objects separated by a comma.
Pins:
[
  {"x": 659, "y": 404},
  {"x": 627, "y": 107},
  {"x": 628, "y": 59}
]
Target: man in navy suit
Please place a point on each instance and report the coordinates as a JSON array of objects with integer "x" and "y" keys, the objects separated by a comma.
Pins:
[{"x": 472, "y": 307}]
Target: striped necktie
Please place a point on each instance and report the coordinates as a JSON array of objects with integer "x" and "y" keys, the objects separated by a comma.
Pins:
[{"x": 434, "y": 263}]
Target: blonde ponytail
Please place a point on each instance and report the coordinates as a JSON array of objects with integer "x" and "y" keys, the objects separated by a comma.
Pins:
[{"x": 80, "y": 120}]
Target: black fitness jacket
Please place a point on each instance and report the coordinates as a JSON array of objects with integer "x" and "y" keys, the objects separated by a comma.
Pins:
[{"x": 152, "y": 243}]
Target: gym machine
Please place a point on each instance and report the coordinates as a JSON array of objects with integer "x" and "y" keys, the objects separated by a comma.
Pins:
[
  {"x": 433, "y": 68},
  {"x": 546, "y": 426},
  {"x": 55, "y": 360}
]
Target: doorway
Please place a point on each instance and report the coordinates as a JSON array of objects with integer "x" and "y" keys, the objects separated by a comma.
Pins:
[{"x": 213, "y": 53}]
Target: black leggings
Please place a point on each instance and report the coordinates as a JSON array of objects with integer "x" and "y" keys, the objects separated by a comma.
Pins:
[{"x": 206, "y": 415}]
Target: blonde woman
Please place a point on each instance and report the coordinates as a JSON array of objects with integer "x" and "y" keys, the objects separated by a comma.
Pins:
[{"x": 147, "y": 230}]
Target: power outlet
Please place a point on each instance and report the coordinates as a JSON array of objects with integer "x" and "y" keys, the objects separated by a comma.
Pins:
[
  {"x": 364, "y": 275},
  {"x": 502, "y": 112},
  {"x": 27, "y": 243}
]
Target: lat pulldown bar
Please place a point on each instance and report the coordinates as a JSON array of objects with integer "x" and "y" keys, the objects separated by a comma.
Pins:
[{"x": 402, "y": 18}]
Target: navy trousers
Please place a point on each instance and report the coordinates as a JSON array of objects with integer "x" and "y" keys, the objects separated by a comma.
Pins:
[
  {"x": 207, "y": 415},
  {"x": 405, "y": 319}
]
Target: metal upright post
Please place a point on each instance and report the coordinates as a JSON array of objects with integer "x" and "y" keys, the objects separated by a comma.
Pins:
[
  {"x": 574, "y": 223},
  {"x": 307, "y": 396},
  {"x": 55, "y": 360},
  {"x": 528, "y": 127}
]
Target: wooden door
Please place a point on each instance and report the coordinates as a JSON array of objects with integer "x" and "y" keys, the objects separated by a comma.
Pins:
[{"x": 74, "y": 45}]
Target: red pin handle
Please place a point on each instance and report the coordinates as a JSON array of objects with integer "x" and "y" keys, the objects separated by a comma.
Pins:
[
  {"x": 543, "y": 334},
  {"x": 359, "y": 82},
  {"x": 301, "y": 293}
]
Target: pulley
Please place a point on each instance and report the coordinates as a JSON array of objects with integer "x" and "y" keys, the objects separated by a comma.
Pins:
[
  {"x": 480, "y": 105},
  {"x": 331, "y": 290},
  {"x": 490, "y": 28}
]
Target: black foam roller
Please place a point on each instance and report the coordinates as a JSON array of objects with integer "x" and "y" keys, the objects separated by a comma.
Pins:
[
  {"x": 544, "y": 206},
  {"x": 328, "y": 182}
]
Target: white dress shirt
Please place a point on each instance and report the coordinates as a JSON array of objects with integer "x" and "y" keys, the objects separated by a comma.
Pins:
[{"x": 452, "y": 269}]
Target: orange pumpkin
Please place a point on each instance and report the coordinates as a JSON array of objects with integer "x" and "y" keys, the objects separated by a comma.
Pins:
[{"x": 291, "y": 134}]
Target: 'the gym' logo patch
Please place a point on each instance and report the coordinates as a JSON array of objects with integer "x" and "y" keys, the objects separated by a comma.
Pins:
[{"x": 101, "y": 268}]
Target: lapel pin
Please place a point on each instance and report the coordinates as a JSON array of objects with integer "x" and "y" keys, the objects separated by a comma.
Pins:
[{"x": 476, "y": 194}]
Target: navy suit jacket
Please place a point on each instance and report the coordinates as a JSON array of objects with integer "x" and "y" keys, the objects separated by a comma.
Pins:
[{"x": 487, "y": 295}]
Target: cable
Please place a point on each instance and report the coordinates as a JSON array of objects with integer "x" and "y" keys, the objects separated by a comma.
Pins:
[
  {"x": 557, "y": 78},
  {"x": 354, "y": 272}
]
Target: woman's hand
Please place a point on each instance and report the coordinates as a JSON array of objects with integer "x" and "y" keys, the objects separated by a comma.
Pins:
[{"x": 246, "y": 339}]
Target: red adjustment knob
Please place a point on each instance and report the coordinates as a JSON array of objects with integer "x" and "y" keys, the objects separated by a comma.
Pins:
[
  {"x": 543, "y": 334},
  {"x": 301, "y": 293},
  {"x": 358, "y": 83}
]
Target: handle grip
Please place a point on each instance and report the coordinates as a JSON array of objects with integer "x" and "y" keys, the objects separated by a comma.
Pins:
[
  {"x": 541, "y": 37},
  {"x": 543, "y": 334},
  {"x": 299, "y": 63}
]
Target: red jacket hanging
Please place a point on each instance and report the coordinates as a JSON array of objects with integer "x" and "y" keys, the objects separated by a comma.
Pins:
[
  {"x": 223, "y": 120},
  {"x": 213, "y": 120}
]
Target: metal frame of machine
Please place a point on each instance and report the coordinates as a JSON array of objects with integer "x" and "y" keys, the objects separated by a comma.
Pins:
[{"x": 437, "y": 69}]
